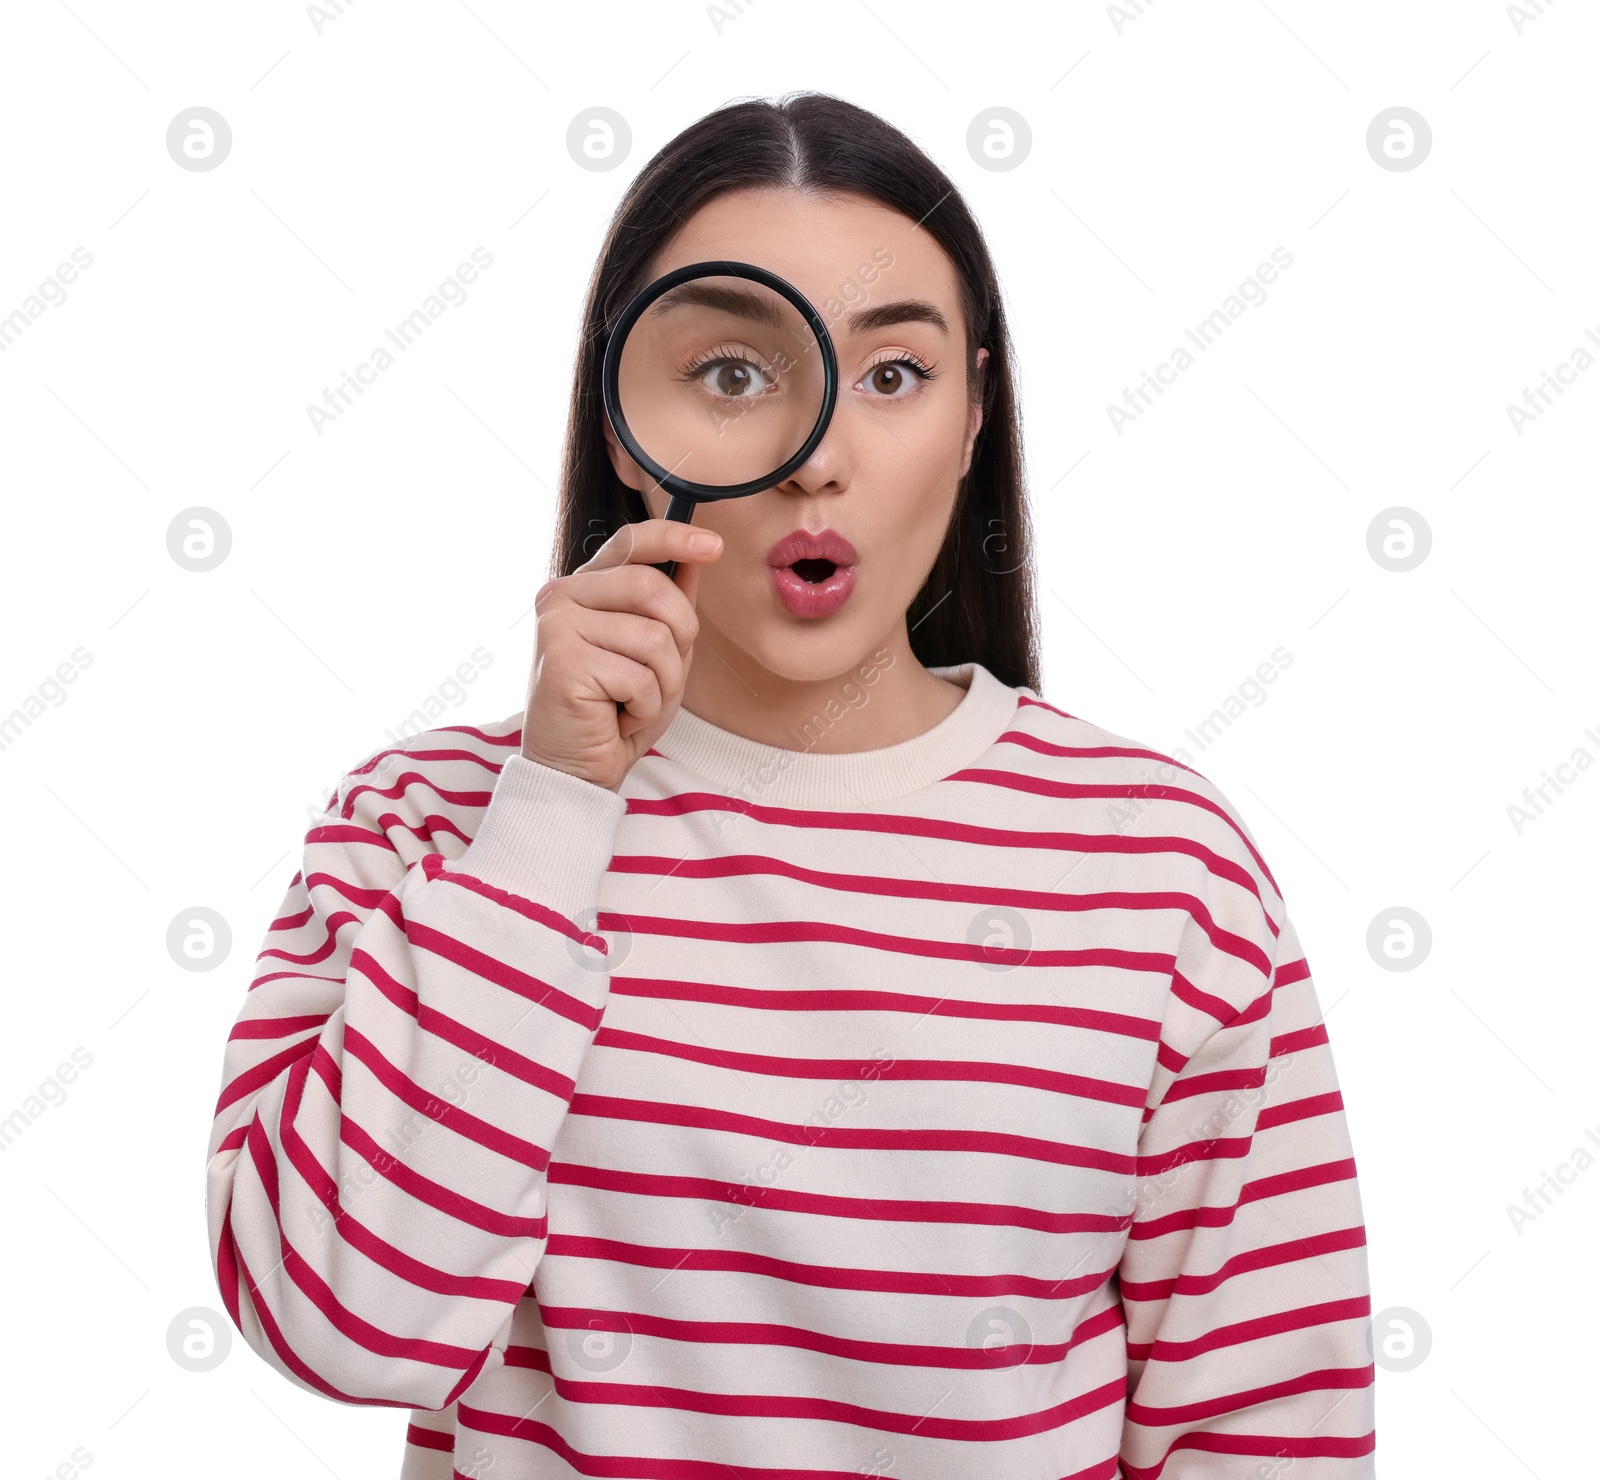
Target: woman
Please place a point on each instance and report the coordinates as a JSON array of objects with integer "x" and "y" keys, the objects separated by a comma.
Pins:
[{"x": 790, "y": 1045}]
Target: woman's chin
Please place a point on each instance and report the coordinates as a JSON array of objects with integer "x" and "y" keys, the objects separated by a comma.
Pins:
[{"x": 791, "y": 649}]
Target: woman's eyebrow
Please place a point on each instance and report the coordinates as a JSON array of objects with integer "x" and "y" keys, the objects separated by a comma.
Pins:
[
  {"x": 741, "y": 302},
  {"x": 903, "y": 311},
  {"x": 746, "y": 303}
]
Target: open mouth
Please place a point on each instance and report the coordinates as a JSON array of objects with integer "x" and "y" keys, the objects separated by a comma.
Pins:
[{"x": 812, "y": 572}]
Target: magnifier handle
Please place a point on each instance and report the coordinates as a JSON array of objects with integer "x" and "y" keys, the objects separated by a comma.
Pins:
[{"x": 681, "y": 509}]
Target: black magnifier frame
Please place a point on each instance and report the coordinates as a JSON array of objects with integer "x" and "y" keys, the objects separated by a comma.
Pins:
[{"x": 685, "y": 494}]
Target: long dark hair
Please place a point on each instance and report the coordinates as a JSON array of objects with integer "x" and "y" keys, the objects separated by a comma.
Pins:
[{"x": 978, "y": 602}]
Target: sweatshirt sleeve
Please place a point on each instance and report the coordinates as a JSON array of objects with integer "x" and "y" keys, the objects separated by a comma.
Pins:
[
  {"x": 1244, "y": 1278},
  {"x": 393, "y": 1084}
]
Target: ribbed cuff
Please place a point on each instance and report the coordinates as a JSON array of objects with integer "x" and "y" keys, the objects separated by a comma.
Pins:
[{"x": 546, "y": 836}]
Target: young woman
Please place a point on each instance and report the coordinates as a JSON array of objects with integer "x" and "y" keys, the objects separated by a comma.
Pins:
[{"x": 790, "y": 1046}]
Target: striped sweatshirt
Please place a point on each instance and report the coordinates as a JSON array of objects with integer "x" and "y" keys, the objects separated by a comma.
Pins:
[{"x": 960, "y": 1108}]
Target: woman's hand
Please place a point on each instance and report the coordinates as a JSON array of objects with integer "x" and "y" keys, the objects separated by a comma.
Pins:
[{"x": 615, "y": 632}]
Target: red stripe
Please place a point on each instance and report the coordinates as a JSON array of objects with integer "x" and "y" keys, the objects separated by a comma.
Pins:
[
  {"x": 1026, "y": 740},
  {"x": 951, "y": 1071},
  {"x": 448, "y": 1030},
  {"x": 1331, "y": 1103},
  {"x": 423, "y": 1438},
  {"x": 768, "y": 932},
  {"x": 683, "y": 803},
  {"x": 362, "y": 898},
  {"x": 406, "y": 779},
  {"x": 999, "y": 1143},
  {"x": 297, "y": 976},
  {"x": 1299, "y": 1041},
  {"x": 1215, "y": 1083},
  {"x": 511, "y": 740},
  {"x": 435, "y": 867},
  {"x": 958, "y": 1358},
  {"x": 342, "y": 833},
  {"x": 452, "y": 1117},
  {"x": 359, "y": 1237},
  {"x": 831, "y": 1205},
  {"x": 228, "y": 1264},
  {"x": 1191, "y": 996},
  {"x": 328, "y": 947},
  {"x": 761, "y": 1405},
  {"x": 894, "y": 1281},
  {"x": 290, "y": 1360},
  {"x": 1259, "y": 1445},
  {"x": 749, "y": 865},
  {"x": 363, "y": 1333},
  {"x": 424, "y": 1189},
  {"x": 468, "y": 1377},
  {"x": 1231, "y": 1148},
  {"x": 1037, "y": 743},
  {"x": 1298, "y": 1319},
  {"x": 377, "y": 758},
  {"x": 1276, "y": 1186},
  {"x": 260, "y": 1075},
  {"x": 1170, "y": 1058},
  {"x": 520, "y": 983},
  {"x": 427, "y": 834},
  {"x": 835, "y": 1000},
  {"x": 1031, "y": 702},
  {"x": 1329, "y": 1379},
  {"x": 1143, "y": 791},
  {"x": 1291, "y": 971},
  {"x": 1253, "y": 1011},
  {"x": 294, "y": 921},
  {"x": 248, "y": 1028},
  {"x": 1267, "y": 1257}
]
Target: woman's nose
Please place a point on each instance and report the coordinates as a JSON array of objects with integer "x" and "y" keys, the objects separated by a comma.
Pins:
[{"x": 827, "y": 470}]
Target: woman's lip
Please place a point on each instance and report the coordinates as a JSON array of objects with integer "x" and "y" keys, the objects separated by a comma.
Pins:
[
  {"x": 802, "y": 598},
  {"x": 802, "y": 544}
]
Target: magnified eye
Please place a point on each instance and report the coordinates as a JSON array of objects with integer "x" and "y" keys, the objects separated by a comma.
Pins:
[{"x": 731, "y": 375}]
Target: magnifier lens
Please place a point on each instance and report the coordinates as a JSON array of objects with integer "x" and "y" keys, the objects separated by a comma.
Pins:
[{"x": 721, "y": 380}]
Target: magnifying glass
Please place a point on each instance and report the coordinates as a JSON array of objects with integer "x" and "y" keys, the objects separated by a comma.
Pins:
[{"x": 719, "y": 379}]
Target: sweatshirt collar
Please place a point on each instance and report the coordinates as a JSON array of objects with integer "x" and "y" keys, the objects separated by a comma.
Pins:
[{"x": 805, "y": 776}]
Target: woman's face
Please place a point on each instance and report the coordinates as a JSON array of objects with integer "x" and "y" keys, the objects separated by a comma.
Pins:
[{"x": 884, "y": 475}]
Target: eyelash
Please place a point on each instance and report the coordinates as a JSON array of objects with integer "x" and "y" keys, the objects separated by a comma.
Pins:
[
  {"x": 722, "y": 352},
  {"x": 925, "y": 371}
]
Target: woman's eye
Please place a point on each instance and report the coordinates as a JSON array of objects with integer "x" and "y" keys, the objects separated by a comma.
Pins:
[
  {"x": 893, "y": 380},
  {"x": 734, "y": 379}
]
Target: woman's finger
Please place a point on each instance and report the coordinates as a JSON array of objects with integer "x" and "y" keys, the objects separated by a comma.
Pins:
[
  {"x": 637, "y": 589},
  {"x": 643, "y": 639}
]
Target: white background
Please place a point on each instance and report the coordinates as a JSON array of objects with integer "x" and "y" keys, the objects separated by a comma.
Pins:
[{"x": 1171, "y": 152}]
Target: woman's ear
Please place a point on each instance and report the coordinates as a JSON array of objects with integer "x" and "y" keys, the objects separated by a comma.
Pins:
[
  {"x": 632, "y": 475},
  {"x": 975, "y": 415},
  {"x": 626, "y": 468}
]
